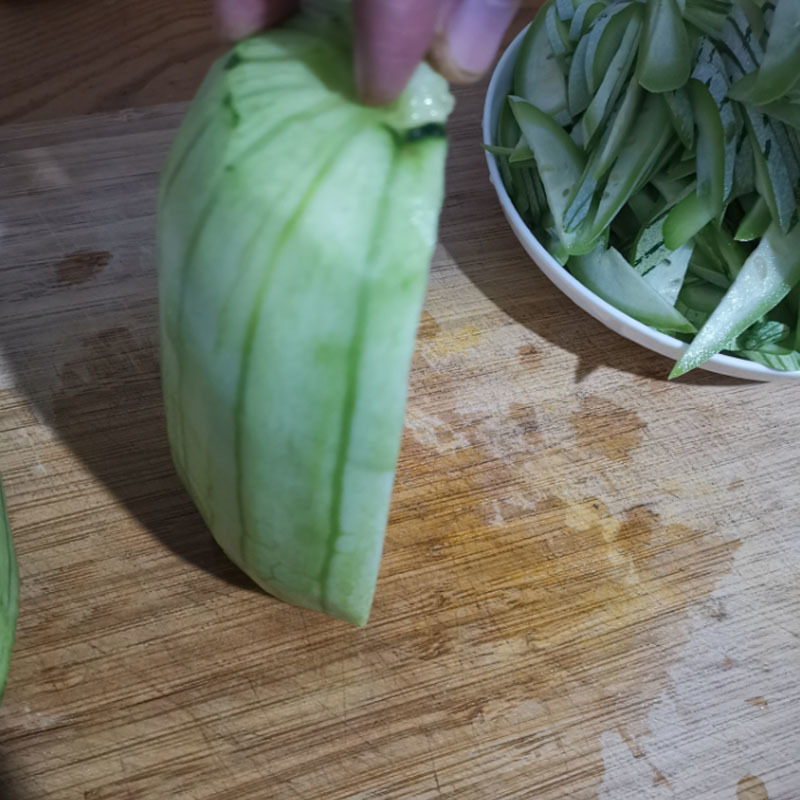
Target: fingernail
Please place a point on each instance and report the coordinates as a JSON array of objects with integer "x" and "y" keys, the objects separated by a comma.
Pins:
[{"x": 473, "y": 33}]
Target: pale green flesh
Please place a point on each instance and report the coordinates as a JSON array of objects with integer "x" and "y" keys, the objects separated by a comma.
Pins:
[
  {"x": 294, "y": 244},
  {"x": 9, "y": 591}
]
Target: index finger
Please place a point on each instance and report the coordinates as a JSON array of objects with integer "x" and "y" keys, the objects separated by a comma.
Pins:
[{"x": 392, "y": 37}]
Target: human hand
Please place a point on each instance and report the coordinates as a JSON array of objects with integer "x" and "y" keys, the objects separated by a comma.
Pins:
[{"x": 460, "y": 37}]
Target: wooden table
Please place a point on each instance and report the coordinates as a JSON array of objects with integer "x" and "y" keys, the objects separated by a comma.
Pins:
[{"x": 590, "y": 585}]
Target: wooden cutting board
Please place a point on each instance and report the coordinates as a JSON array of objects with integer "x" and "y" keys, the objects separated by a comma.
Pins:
[{"x": 590, "y": 583}]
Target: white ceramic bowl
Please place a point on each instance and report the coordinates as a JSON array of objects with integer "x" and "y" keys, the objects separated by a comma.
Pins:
[{"x": 632, "y": 329}]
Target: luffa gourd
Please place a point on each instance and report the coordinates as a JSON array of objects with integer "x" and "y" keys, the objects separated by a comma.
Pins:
[{"x": 295, "y": 231}]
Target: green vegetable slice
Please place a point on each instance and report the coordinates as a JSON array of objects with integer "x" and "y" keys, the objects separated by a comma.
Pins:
[
  {"x": 578, "y": 94},
  {"x": 667, "y": 276},
  {"x": 707, "y": 15},
  {"x": 538, "y": 75},
  {"x": 785, "y": 111},
  {"x": 680, "y": 114},
  {"x": 787, "y": 363},
  {"x": 697, "y": 301},
  {"x": 585, "y": 14},
  {"x": 521, "y": 155},
  {"x": 761, "y": 334},
  {"x": 609, "y": 147},
  {"x": 731, "y": 253},
  {"x": 613, "y": 80},
  {"x": 611, "y": 277},
  {"x": 753, "y": 18},
  {"x": 738, "y": 39},
  {"x": 665, "y": 59},
  {"x": 744, "y": 170},
  {"x": 557, "y": 33},
  {"x": 772, "y": 178},
  {"x": 710, "y": 147},
  {"x": 755, "y": 222},
  {"x": 780, "y": 70},
  {"x": 602, "y": 158},
  {"x": 559, "y": 159},
  {"x": 768, "y": 275},
  {"x": 604, "y": 39},
  {"x": 643, "y": 147},
  {"x": 9, "y": 592},
  {"x": 649, "y": 250},
  {"x": 686, "y": 218},
  {"x": 710, "y": 72},
  {"x": 565, "y": 9}
]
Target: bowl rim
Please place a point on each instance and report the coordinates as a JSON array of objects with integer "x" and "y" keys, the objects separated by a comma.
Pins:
[{"x": 614, "y": 319}]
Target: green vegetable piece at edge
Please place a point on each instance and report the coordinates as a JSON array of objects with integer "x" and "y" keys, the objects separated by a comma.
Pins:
[
  {"x": 294, "y": 242},
  {"x": 640, "y": 153},
  {"x": 9, "y": 592},
  {"x": 767, "y": 276},
  {"x": 780, "y": 69},
  {"x": 710, "y": 146},
  {"x": 611, "y": 277},
  {"x": 680, "y": 113},
  {"x": 559, "y": 159},
  {"x": 538, "y": 77},
  {"x": 665, "y": 58},
  {"x": 685, "y": 219},
  {"x": 784, "y": 111},
  {"x": 604, "y": 40},
  {"x": 613, "y": 81},
  {"x": 667, "y": 276},
  {"x": 755, "y": 222}
]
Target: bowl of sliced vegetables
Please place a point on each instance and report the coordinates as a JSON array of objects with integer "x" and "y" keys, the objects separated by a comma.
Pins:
[{"x": 648, "y": 160}]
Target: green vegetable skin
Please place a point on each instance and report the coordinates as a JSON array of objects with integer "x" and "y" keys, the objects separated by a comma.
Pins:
[
  {"x": 9, "y": 592},
  {"x": 666, "y": 135},
  {"x": 295, "y": 231}
]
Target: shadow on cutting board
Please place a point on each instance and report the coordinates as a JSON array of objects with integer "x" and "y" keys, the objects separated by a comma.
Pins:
[
  {"x": 83, "y": 349},
  {"x": 478, "y": 238},
  {"x": 10, "y": 788}
]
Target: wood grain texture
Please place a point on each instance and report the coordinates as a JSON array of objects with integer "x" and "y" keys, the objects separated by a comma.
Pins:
[
  {"x": 589, "y": 587},
  {"x": 62, "y": 58}
]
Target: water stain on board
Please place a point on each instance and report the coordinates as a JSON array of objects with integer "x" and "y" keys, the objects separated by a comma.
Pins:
[
  {"x": 81, "y": 266},
  {"x": 551, "y": 618},
  {"x": 428, "y": 327},
  {"x": 524, "y": 417},
  {"x": 606, "y": 428},
  {"x": 529, "y": 356},
  {"x": 751, "y": 788},
  {"x": 438, "y": 343}
]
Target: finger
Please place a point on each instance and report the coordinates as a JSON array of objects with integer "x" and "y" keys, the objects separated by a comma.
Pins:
[
  {"x": 240, "y": 18},
  {"x": 468, "y": 37},
  {"x": 392, "y": 37}
]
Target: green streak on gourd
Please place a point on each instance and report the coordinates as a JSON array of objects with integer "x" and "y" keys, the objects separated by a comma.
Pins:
[{"x": 9, "y": 592}]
